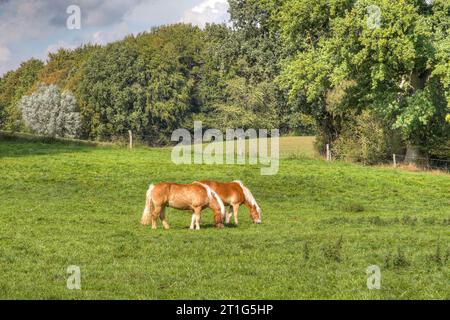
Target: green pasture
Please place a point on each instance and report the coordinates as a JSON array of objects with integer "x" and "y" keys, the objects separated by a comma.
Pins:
[{"x": 324, "y": 223}]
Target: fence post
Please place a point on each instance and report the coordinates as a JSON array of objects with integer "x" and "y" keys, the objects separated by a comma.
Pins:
[
  {"x": 328, "y": 153},
  {"x": 130, "y": 135},
  {"x": 394, "y": 160}
]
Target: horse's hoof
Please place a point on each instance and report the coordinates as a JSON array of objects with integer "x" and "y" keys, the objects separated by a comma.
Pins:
[{"x": 220, "y": 226}]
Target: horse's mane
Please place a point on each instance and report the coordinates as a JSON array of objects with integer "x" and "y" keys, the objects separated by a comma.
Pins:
[
  {"x": 211, "y": 194},
  {"x": 249, "y": 196}
]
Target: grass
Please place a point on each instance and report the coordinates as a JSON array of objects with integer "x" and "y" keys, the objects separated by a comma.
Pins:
[{"x": 323, "y": 225}]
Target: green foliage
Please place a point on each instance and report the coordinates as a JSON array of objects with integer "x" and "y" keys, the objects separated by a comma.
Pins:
[
  {"x": 246, "y": 106},
  {"x": 63, "y": 67},
  {"x": 13, "y": 86},
  {"x": 303, "y": 66},
  {"x": 398, "y": 69},
  {"x": 366, "y": 140},
  {"x": 112, "y": 91},
  {"x": 160, "y": 80}
]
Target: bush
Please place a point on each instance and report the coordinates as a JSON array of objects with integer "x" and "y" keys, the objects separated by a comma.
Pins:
[
  {"x": 367, "y": 140},
  {"x": 50, "y": 113}
]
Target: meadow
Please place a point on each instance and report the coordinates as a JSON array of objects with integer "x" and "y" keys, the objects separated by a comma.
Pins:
[{"x": 324, "y": 223}]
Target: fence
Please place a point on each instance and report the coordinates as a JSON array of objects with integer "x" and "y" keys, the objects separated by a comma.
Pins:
[
  {"x": 128, "y": 138},
  {"x": 422, "y": 163}
]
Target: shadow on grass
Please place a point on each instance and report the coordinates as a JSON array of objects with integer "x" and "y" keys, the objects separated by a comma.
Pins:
[
  {"x": 24, "y": 146},
  {"x": 211, "y": 226}
]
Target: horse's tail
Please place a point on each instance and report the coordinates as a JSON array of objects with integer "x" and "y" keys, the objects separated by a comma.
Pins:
[
  {"x": 249, "y": 196},
  {"x": 213, "y": 194},
  {"x": 145, "y": 220}
]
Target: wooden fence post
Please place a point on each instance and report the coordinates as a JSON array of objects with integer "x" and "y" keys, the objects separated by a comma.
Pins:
[
  {"x": 328, "y": 153},
  {"x": 130, "y": 135},
  {"x": 394, "y": 160}
]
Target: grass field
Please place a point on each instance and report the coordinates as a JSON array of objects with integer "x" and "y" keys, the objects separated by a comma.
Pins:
[{"x": 323, "y": 225}]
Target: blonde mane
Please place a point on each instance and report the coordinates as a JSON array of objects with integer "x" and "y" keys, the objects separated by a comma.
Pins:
[
  {"x": 249, "y": 196},
  {"x": 211, "y": 194}
]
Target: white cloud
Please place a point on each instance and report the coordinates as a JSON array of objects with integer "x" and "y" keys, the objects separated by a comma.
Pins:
[
  {"x": 5, "y": 54},
  {"x": 35, "y": 28},
  {"x": 150, "y": 13},
  {"x": 114, "y": 33},
  {"x": 105, "y": 13},
  {"x": 212, "y": 11}
]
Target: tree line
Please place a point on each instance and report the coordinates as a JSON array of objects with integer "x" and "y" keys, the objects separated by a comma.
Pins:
[{"x": 368, "y": 77}]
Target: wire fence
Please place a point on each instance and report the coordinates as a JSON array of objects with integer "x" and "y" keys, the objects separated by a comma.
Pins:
[
  {"x": 130, "y": 139},
  {"x": 422, "y": 163},
  {"x": 121, "y": 139}
]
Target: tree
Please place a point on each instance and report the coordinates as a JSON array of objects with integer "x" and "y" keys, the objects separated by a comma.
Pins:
[
  {"x": 394, "y": 68},
  {"x": 111, "y": 90},
  {"x": 50, "y": 113},
  {"x": 13, "y": 86}
]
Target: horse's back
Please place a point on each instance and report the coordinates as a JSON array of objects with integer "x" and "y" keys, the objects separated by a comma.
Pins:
[
  {"x": 180, "y": 196},
  {"x": 229, "y": 192}
]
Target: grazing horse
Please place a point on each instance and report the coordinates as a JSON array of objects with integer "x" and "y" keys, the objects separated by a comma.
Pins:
[
  {"x": 235, "y": 194},
  {"x": 193, "y": 197}
]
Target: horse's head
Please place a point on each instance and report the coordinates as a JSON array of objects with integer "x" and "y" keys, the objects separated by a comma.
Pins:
[
  {"x": 255, "y": 213},
  {"x": 219, "y": 210}
]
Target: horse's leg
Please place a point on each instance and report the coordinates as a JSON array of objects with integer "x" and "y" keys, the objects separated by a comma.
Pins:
[
  {"x": 162, "y": 216},
  {"x": 155, "y": 214},
  {"x": 198, "y": 215},
  {"x": 235, "y": 212},
  {"x": 192, "y": 222},
  {"x": 228, "y": 215}
]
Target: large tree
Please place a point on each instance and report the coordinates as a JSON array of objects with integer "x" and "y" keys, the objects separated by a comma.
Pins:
[{"x": 388, "y": 57}]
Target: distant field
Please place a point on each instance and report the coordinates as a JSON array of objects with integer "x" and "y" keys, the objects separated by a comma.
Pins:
[
  {"x": 297, "y": 145},
  {"x": 288, "y": 146},
  {"x": 323, "y": 225}
]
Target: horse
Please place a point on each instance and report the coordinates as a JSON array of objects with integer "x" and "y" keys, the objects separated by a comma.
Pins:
[
  {"x": 193, "y": 197},
  {"x": 234, "y": 194}
]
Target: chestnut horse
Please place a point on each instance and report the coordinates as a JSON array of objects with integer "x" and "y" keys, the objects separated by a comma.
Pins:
[
  {"x": 193, "y": 197},
  {"x": 235, "y": 194}
]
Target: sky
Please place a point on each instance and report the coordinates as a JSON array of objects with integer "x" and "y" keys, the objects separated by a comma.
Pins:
[{"x": 33, "y": 28}]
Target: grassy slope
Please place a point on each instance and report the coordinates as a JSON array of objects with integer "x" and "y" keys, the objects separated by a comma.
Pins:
[{"x": 323, "y": 224}]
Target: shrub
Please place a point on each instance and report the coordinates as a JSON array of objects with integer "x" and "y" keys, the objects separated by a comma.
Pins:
[
  {"x": 50, "y": 113},
  {"x": 367, "y": 140}
]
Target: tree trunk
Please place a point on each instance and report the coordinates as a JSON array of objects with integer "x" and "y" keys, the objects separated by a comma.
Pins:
[{"x": 415, "y": 155}]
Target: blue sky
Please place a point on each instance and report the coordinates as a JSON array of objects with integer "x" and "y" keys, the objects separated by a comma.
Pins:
[{"x": 33, "y": 28}]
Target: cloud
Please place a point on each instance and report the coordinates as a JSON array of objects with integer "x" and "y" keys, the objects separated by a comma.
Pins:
[
  {"x": 158, "y": 12},
  {"x": 208, "y": 11},
  {"x": 23, "y": 19},
  {"x": 5, "y": 54},
  {"x": 106, "y": 12},
  {"x": 35, "y": 28},
  {"x": 114, "y": 33}
]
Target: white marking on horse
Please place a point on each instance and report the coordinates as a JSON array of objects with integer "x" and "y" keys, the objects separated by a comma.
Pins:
[
  {"x": 212, "y": 193},
  {"x": 192, "y": 222}
]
